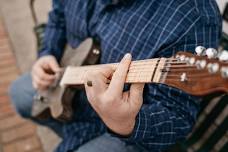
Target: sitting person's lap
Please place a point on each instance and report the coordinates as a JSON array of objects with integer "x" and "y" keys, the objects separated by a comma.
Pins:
[
  {"x": 107, "y": 143},
  {"x": 22, "y": 93}
]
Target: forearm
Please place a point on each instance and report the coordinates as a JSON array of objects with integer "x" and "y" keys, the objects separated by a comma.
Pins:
[
  {"x": 163, "y": 120},
  {"x": 55, "y": 32}
]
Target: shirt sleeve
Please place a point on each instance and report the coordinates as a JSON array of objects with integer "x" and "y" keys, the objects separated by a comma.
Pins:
[
  {"x": 164, "y": 120},
  {"x": 168, "y": 114},
  {"x": 55, "y": 32}
]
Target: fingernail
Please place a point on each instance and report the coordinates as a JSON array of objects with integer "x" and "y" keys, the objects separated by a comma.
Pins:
[{"x": 127, "y": 56}]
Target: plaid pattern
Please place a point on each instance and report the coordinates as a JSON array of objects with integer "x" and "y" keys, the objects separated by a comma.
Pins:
[{"x": 146, "y": 29}]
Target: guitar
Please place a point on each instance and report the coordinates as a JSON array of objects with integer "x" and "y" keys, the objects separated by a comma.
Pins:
[{"x": 198, "y": 75}]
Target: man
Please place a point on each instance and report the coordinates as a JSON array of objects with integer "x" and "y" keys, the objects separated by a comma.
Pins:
[{"x": 141, "y": 118}]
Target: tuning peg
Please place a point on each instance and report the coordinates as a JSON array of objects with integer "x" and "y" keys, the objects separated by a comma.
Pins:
[
  {"x": 187, "y": 59},
  {"x": 224, "y": 72},
  {"x": 191, "y": 61},
  {"x": 182, "y": 57},
  {"x": 200, "y": 50},
  {"x": 223, "y": 56},
  {"x": 211, "y": 53},
  {"x": 177, "y": 56},
  {"x": 213, "y": 67},
  {"x": 201, "y": 64}
]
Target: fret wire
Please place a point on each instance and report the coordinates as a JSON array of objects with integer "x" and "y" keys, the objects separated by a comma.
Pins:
[
  {"x": 129, "y": 76},
  {"x": 143, "y": 74},
  {"x": 141, "y": 69},
  {"x": 190, "y": 76},
  {"x": 130, "y": 72},
  {"x": 134, "y": 63},
  {"x": 170, "y": 66},
  {"x": 146, "y": 74}
]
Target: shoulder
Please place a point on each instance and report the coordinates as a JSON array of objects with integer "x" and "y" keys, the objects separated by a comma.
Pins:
[
  {"x": 206, "y": 10},
  {"x": 164, "y": 7},
  {"x": 171, "y": 13}
]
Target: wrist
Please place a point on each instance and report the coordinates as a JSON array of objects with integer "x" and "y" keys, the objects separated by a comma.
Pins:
[{"x": 122, "y": 128}]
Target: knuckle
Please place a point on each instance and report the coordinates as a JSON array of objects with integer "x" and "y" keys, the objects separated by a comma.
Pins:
[
  {"x": 119, "y": 75},
  {"x": 107, "y": 68},
  {"x": 51, "y": 61},
  {"x": 110, "y": 99},
  {"x": 95, "y": 73},
  {"x": 41, "y": 77},
  {"x": 39, "y": 84}
]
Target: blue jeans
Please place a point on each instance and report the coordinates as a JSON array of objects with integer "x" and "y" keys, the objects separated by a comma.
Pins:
[{"x": 22, "y": 92}]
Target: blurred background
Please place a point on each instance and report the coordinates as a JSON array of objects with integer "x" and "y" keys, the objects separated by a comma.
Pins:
[{"x": 18, "y": 49}]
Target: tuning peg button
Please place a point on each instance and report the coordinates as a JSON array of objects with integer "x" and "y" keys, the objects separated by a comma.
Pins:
[
  {"x": 213, "y": 67},
  {"x": 201, "y": 64},
  {"x": 223, "y": 56},
  {"x": 182, "y": 57},
  {"x": 187, "y": 59},
  {"x": 200, "y": 50},
  {"x": 211, "y": 53},
  {"x": 191, "y": 61},
  {"x": 224, "y": 72},
  {"x": 177, "y": 56}
]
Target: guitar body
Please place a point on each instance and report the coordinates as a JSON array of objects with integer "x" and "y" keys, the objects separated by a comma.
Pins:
[{"x": 56, "y": 101}]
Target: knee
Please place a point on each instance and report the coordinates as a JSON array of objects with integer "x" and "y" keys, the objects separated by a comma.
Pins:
[{"x": 21, "y": 94}]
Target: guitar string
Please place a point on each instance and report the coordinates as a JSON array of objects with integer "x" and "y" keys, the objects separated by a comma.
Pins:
[
  {"x": 148, "y": 63},
  {"x": 149, "y": 70},
  {"x": 141, "y": 74},
  {"x": 137, "y": 64},
  {"x": 167, "y": 78}
]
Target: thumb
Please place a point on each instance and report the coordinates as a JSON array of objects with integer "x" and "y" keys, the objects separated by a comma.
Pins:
[
  {"x": 54, "y": 65},
  {"x": 136, "y": 93}
]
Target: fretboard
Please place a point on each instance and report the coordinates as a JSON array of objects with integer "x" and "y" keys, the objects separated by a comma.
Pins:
[{"x": 141, "y": 71}]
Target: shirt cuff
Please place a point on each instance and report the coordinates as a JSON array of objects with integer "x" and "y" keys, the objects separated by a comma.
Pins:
[
  {"x": 43, "y": 53},
  {"x": 142, "y": 129}
]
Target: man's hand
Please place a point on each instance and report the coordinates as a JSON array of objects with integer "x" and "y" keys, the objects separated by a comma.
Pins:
[
  {"x": 43, "y": 72},
  {"x": 117, "y": 109}
]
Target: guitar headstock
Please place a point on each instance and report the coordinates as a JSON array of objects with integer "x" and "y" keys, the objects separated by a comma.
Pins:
[{"x": 198, "y": 74}]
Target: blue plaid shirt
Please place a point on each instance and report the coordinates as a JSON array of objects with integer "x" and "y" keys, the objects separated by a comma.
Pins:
[{"x": 146, "y": 29}]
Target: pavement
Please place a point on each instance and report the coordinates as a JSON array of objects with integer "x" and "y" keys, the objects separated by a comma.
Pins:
[
  {"x": 16, "y": 134},
  {"x": 18, "y": 20},
  {"x": 18, "y": 23}
]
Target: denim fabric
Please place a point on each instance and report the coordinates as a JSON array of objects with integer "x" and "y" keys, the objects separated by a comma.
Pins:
[{"x": 22, "y": 93}]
